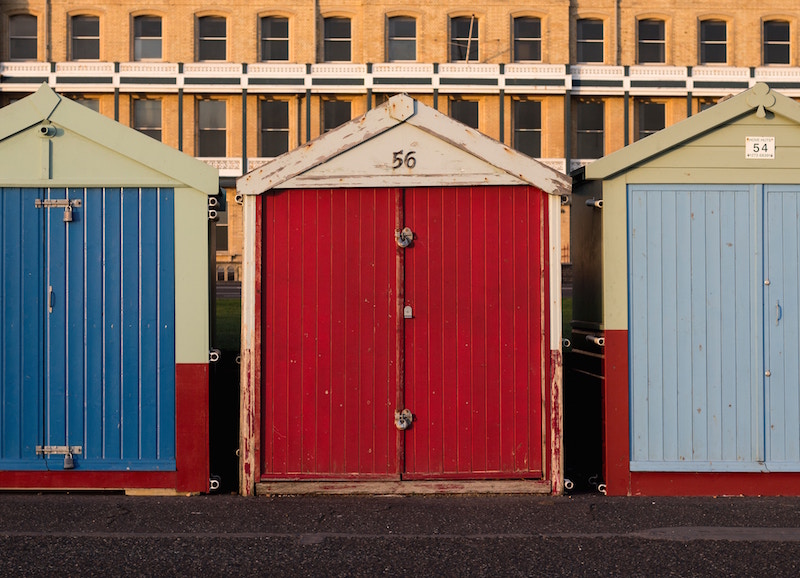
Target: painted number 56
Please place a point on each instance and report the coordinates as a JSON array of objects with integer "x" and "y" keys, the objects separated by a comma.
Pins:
[{"x": 398, "y": 159}]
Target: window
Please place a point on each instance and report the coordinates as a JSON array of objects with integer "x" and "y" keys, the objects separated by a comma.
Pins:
[
  {"x": 334, "y": 113},
  {"x": 651, "y": 42},
  {"x": 651, "y": 117},
  {"x": 90, "y": 103},
  {"x": 147, "y": 117},
  {"x": 402, "y": 39},
  {"x": 22, "y": 39},
  {"x": 528, "y": 127},
  {"x": 590, "y": 40},
  {"x": 589, "y": 126},
  {"x": 465, "y": 111},
  {"x": 704, "y": 103},
  {"x": 85, "y": 38},
  {"x": 713, "y": 42},
  {"x": 776, "y": 42},
  {"x": 211, "y": 42},
  {"x": 211, "y": 134},
  {"x": 464, "y": 39},
  {"x": 147, "y": 38},
  {"x": 274, "y": 38},
  {"x": 274, "y": 127},
  {"x": 527, "y": 39},
  {"x": 337, "y": 40},
  {"x": 222, "y": 231}
]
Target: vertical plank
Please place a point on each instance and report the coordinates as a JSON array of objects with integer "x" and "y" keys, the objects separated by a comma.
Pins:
[
  {"x": 128, "y": 261},
  {"x": 326, "y": 243},
  {"x": 669, "y": 328},
  {"x": 148, "y": 324},
  {"x": 451, "y": 336},
  {"x": 75, "y": 315},
  {"x": 683, "y": 333},
  {"x": 93, "y": 216},
  {"x": 507, "y": 258},
  {"x": 493, "y": 264},
  {"x": 112, "y": 340},
  {"x": 167, "y": 377},
  {"x": 56, "y": 339},
  {"x": 340, "y": 285},
  {"x": 307, "y": 324}
]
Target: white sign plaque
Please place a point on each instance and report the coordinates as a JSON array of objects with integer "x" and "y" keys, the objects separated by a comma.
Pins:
[{"x": 759, "y": 147}]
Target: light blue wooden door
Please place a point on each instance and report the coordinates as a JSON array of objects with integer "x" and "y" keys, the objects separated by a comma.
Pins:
[
  {"x": 695, "y": 328},
  {"x": 782, "y": 327},
  {"x": 87, "y": 356}
]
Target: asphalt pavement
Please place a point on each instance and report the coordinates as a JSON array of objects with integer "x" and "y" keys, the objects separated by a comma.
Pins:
[{"x": 76, "y": 534}]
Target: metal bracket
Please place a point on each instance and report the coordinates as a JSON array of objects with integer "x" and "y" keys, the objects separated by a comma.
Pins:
[
  {"x": 52, "y": 203},
  {"x": 403, "y": 419},
  {"x": 404, "y": 238},
  {"x": 59, "y": 450}
]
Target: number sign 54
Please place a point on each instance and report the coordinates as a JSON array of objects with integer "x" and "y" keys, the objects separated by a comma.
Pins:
[{"x": 408, "y": 159}]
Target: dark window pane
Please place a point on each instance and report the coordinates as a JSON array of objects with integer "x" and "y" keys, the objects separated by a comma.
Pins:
[
  {"x": 274, "y": 38},
  {"x": 463, "y": 47},
  {"x": 402, "y": 38},
  {"x": 465, "y": 111},
  {"x": 776, "y": 42},
  {"x": 85, "y": 38},
  {"x": 211, "y": 38},
  {"x": 713, "y": 42},
  {"x": 147, "y": 117},
  {"x": 652, "y": 118},
  {"x": 23, "y": 37},
  {"x": 222, "y": 231},
  {"x": 590, "y": 129},
  {"x": 528, "y": 127},
  {"x": 90, "y": 103},
  {"x": 147, "y": 38},
  {"x": 274, "y": 127},
  {"x": 590, "y": 40},
  {"x": 651, "y": 41},
  {"x": 335, "y": 113},
  {"x": 337, "y": 40},
  {"x": 527, "y": 39},
  {"x": 211, "y": 134}
]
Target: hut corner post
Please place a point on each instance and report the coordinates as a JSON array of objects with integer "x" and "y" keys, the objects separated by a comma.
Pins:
[
  {"x": 556, "y": 359},
  {"x": 250, "y": 348}
]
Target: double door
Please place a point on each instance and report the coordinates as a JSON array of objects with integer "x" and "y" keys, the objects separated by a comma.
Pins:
[
  {"x": 88, "y": 366},
  {"x": 715, "y": 327},
  {"x": 403, "y": 333}
]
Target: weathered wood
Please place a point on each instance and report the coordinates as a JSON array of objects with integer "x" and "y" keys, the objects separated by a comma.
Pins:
[{"x": 403, "y": 488}]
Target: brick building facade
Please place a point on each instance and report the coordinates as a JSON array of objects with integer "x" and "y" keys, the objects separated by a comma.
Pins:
[{"x": 233, "y": 84}]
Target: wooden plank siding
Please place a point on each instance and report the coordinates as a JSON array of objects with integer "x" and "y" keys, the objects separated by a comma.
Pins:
[{"x": 695, "y": 331}]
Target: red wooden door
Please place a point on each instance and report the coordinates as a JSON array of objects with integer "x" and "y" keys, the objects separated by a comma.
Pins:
[
  {"x": 329, "y": 334},
  {"x": 472, "y": 355},
  {"x": 474, "y": 350}
]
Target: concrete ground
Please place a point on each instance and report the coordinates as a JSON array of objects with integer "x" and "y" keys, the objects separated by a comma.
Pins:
[{"x": 78, "y": 534}]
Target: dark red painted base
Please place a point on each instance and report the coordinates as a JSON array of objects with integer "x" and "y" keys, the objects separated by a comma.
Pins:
[
  {"x": 714, "y": 484},
  {"x": 192, "y": 454}
]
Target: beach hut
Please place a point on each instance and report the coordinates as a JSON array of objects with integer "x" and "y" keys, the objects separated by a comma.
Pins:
[
  {"x": 104, "y": 341},
  {"x": 697, "y": 291},
  {"x": 401, "y": 311}
]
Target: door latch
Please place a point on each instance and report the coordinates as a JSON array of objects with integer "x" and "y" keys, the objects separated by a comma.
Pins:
[
  {"x": 403, "y": 419},
  {"x": 404, "y": 237}
]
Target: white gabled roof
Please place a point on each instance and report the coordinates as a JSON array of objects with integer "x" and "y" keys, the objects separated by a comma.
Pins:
[
  {"x": 88, "y": 149},
  {"x": 402, "y": 143},
  {"x": 756, "y": 100}
]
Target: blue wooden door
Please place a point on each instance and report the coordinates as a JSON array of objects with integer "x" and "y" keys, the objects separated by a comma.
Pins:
[
  {"x": 87, "y": 351},
  {"x": 782, "y": 327},
  {"x": 696, "y": 331}
]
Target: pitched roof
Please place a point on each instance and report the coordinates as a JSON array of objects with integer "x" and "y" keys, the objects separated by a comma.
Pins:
[
  {"x": 373, "y": 150},
  {"x": 94, "y": 132},
  {"x": 756, "y": 100}
]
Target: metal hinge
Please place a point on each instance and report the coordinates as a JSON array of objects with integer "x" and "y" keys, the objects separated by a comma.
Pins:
[{"x": 59, "y": 450}]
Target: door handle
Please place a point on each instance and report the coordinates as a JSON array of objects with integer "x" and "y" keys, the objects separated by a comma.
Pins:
[
  {"x": 50, "y": 299},
  {"x": 778, "y": 312}
]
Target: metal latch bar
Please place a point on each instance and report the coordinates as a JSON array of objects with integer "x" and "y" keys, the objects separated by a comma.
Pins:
[
  {"x": 52, "y": 203},
  {"x": 59, "y": 450}
]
